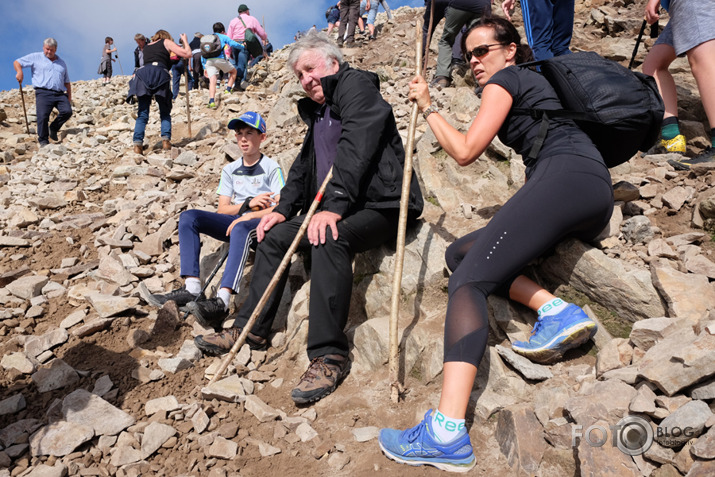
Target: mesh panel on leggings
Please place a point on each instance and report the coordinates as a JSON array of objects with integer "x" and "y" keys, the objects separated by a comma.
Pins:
[{"x": 466, "y": 327}]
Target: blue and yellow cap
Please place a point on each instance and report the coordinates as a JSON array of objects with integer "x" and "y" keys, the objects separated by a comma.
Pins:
[{"x": 249, "y": 118}]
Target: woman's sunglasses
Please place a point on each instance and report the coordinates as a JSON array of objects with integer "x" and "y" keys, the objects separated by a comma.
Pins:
[{"x": 480, "y": 51}]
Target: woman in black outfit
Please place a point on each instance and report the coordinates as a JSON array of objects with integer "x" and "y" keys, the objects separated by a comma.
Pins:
[
  {"x": 568, "y": 192},
  {"x": 153, "y": 80}
]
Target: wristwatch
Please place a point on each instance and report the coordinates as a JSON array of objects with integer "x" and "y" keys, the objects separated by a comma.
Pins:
[{"x": 430, "y": 110}]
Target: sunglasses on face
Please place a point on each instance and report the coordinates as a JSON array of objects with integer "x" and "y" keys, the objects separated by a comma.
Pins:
[{"x": 479, "y": 51}]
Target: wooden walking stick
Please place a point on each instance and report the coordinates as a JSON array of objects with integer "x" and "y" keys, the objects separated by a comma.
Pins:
[
  {"x": 188, "y": 109},
  {"x": 394, "y": 361},
  {"x": 274, "y": 281},
  {"x": 22, "y": 96}
]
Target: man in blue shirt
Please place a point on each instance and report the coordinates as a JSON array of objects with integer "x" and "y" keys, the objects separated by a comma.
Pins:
[{"x": 52, "y": 88}]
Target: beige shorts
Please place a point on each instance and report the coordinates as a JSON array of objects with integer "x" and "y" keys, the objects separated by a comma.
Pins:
[{"x": 214, "y": 65}]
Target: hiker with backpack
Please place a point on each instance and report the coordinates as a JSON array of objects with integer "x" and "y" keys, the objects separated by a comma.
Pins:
[
  {"x": 690, "y": 31},
  {"x": 332, "y": 15},
  {"x": 247, "y": 30},
  {"x": 213, "y": 59},
  {"x": 567, "y": 193},
  {"x": 154, "y": 81}
]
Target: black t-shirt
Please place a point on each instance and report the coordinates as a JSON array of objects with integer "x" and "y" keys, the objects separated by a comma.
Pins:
[
  {"x": 157, "y": 53},
  {"x": 530, "y": 89}
]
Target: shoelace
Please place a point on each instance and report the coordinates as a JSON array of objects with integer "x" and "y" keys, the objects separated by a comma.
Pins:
[
  {"x": 537, "y": 326},
  {"x": 312, "y": 371},
  {"x": 416, "y": 432}
]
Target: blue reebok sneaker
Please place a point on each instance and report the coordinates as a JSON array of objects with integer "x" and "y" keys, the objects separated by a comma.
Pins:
[
  {"x": 554, "y": 335},
  {"x": 418, "y": 446}
]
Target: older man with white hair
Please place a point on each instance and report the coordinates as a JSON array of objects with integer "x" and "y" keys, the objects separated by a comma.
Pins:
[
  {"x": 352, "y": 129},
  {"x": 52, "y": 88}
]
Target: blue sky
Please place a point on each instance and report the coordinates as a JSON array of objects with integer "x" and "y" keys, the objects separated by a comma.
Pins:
[{"x": 80, "y": 26}]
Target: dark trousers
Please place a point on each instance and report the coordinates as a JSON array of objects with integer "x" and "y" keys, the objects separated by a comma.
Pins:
[
  {"x": 177, "y": 71},
  {"x": 197, "y": 69},
  {"x": 45, "y": 101},
  {"x": 331, "y": 276},
  {"x": 242, "y": 240},
  {"x": 548, "y": 25},
  {"x": 349, "y": 13}
]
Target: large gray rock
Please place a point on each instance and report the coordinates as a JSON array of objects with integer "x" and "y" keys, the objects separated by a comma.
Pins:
[
  {"x": 57, "y": 375},
  {"x": 680, "y": 360},
  {"x": 88, "y": 409},
  {"x": 60, "y": 438},
  {"x": 600, "y": 400},
  {"x": 12, "y": 404},
  {"x": 609, "y": 282},
  {"x": 28, "y": 286},
  {"x": 646, "y": 333},
  {"x": 687, "y": 422},
  {"x": 521, "y": 439},
  {"x": 36, "y": 345},
  {"x": 687, "y": 295},
  {"x": 606, "y": 460},
  {"x": 524, "y": 366},
  {"x": 108, "y": 305},
  {"x": 155, "y": 435}
]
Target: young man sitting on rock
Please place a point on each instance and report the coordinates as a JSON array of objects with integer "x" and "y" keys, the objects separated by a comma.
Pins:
[
  {"x": 248, "y": 190},
  {"x": 352, "y": 129}
]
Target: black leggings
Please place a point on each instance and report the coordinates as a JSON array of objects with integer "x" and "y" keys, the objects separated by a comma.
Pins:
[{"x": 565, "y": 196}]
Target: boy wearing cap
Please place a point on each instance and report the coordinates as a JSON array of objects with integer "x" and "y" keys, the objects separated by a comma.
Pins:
[{"x": 249, "y": 189}]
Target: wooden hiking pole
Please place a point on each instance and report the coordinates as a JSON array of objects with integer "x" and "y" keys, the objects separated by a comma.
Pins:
[
  {"x": 274, "y": 281},
  {"x": 22, "y": 96},
  {"x": 394, "y": 361},
  {"x": 188, "y": 108}
]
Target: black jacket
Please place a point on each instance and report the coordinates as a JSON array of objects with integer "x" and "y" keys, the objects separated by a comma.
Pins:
[
  {"x": 151, "y": 80},
  {"x": 368, "y": 168}
]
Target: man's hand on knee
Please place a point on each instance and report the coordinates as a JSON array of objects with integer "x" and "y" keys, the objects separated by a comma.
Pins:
[
  {"x": 318, "y": 225},
  {"x": 267, "y": 222}
]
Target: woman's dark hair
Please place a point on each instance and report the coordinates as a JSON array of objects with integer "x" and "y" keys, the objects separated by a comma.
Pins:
[
  {"x": 219, "y": 28},
  {"x": 504, "y": 33},
  {"x": 108, "y": 39}
]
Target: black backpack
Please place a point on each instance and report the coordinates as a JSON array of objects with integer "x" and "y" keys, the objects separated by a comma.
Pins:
[
  {"x": 621, "y": 110},
  {"x": 211, "y": 46}
]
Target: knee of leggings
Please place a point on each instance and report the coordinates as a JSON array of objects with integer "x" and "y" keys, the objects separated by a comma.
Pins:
[
  {"x": 460, "y": 278},
  {"x": 452, "y": 257}
]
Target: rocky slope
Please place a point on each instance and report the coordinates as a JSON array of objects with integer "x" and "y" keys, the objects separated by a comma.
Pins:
[{"x": 96, "y": 382}]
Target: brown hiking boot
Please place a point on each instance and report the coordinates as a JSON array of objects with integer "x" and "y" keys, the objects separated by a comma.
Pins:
[
  {"x": 220, "y": 343},
  {"x": 322, "y": 377},
  {"x": 138, "y": 149},
  {"x": 166, "y": 145}
]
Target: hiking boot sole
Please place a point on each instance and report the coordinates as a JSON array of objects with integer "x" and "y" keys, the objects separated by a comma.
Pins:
[
  {"x": 318, "y": 394},
  {"x": 570, "y": 338},
  {"x": 441, "y": 464},
  {"x": 678, "y": 166}
]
